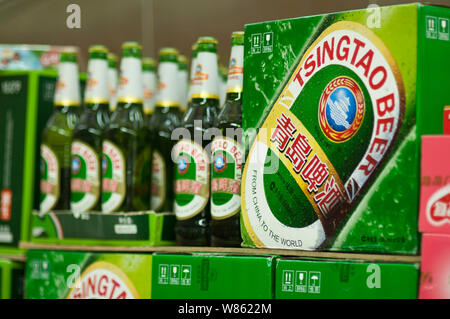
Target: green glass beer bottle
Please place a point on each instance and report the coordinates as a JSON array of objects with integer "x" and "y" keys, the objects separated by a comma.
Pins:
[
  {"x": 88, "y": 135},
  {"x": 182, "y": 82},
  {"x": 192, "y": 172},
  {"x": 57, "y": 137},
  {"x": 166, "y": 118},
  {"x": 149, "y": 81},
  {"x": 113, "y": 81},
  {"x": 191, "y": 76},
  {"x": 226, "y": 155},
  {"x": 126, "y": 148}
]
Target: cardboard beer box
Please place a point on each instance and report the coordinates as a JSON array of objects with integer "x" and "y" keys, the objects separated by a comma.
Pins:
[
  {"x": 26, "y": 103},
  {"x": 86, "y": 275},
  {"x": 334, "y": 108},
  {"x": 435, "y": 267},
  {"x": 11, "y": 279},
  {"x": 212, "y": 276},
  {"x": 31, "y": 56},
  {"x": 344, "y": 279},
  {"x": 435, "y": 185}
]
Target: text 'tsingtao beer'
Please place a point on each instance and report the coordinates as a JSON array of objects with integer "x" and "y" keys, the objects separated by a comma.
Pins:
[
  {"x": 226, "y": 155},
  {"x": 57, "y": 137},
  {"x": 88, "y": 135},
  {"x": 126, "y": 149},
  {"x": 165, "y": 119},
  {"x": 192, "y": 172}
]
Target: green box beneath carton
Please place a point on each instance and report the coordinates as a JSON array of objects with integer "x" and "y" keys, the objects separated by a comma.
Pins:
[
  {"x": 11, "y": 279},
  {"x": 344, "y": 279},
  {"x": 95, "y": 228},
  {"x": 85, "y": 275},
  {"x": 339, "y": 101},
  {"x": 212, "y": 276}
]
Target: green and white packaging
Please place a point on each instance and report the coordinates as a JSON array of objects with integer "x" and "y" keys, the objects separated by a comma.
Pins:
[
  {"x": 86, "y": 275},
  {"x": 334, "y": 108},
  {"x": 345, "y": 279}
]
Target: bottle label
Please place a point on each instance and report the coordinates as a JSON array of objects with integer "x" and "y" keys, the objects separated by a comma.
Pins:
[
  {"x": 158, "y": 181},
  {"x": 225, "y": 178},
  {"x": 205, "y": 83},
  {"x": 191, "y": 179},
  {"x": 130, "y": 84},
  {"x": 67, "y": 90},
  {"x": 85, "y": 182},
  {"x": 236, "y": 69},
  {"x": 326, "y": 134},
  {"x": 49, "y": 179},
  {"x": 149, "y": 81},
  {"x": 168, "y": 89},
  {"x": 97, "y": 86},
  {"x": 114, "y": 178}
]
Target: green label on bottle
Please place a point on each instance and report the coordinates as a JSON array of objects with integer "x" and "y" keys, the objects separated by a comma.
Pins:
[
  {"x": 191, "y": 179},
  {"x": 327, "y": 133},
  {"x": 85, "y": 181},
  {"x": 158, "y": 180},
  {"x": 114, "y": 179},
  {"x": 225, "y": 178},
  {"x": 49, "y": 179}
]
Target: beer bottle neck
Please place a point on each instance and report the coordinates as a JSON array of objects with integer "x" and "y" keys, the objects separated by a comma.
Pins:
[
  {"x": 235, "y": 69},
  {"x": 130, "y": 84},
  {"x": 183, "y": 86},
  {"x": 167, "y": 95},
  {"x": 67, "y": 92},
  {"x": 149, "y": 81},
  {"x": 113, "y": 85},
  {"x": 205, "y": 84},
  {"x": 97, "y": 90}
]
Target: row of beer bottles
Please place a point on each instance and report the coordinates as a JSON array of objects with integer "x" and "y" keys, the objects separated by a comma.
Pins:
[
  {"x": 71, "y": 145},
  {"x": 208, "y": 173}
]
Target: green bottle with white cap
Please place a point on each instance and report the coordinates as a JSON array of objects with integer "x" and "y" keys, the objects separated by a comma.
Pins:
[
  {"x": 166, "y": 119},
  {"x": 227, "y": 155},
  {"x": 192, "y": 172},
  {"x": 126, "y": 161},
  {"x": 57, "y": 137},
  {"x": 88, "y": 135}
]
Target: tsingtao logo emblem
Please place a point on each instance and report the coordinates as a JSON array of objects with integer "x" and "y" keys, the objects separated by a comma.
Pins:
[
  {"x": 220, "y": 164},
  {"x": 76, "y": 165},
  {"x": 341, "y": 109},
  {"x": 183, "y": 165},
  {"x": 104, "y": 164}
]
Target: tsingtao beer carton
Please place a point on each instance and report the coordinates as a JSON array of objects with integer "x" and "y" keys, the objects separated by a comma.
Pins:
[
  {"x": 26, "y": 103},
  {"x": 208, "y": 275},
  {"x": 11, "y": 279},
  {"x": 334, "y": 108},
  {"x": 86, "y": 275},
  {"x": 345, "y": 279}
]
